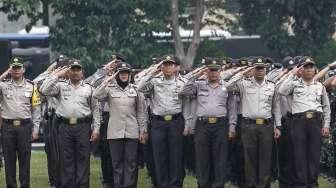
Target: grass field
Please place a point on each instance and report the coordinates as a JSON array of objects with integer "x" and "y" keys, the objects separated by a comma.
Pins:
[{"x": 39, "y": 175}]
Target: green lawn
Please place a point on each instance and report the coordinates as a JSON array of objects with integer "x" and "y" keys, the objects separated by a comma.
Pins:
[{"x": 39, "y": 175}]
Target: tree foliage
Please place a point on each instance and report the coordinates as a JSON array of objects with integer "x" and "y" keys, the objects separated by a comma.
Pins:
[{"x": 291, "y": 27}]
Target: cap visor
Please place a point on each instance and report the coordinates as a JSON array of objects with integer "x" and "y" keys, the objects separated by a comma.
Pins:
[{"x": 74, "y": 66}]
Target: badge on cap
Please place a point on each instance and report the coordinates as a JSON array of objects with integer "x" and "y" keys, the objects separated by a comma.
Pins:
[
  {"x": 123, "y": 65},
  {"x": 16, "y": 60},
  {"x": 259, "y": 60},
  {"x": 168, "y": 58},
  {"x": 291, "y": 62}
]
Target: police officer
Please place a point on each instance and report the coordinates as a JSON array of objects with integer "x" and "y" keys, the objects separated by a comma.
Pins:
[
  {"x": 20, "y": 112},
  {"x": 212, "y": 127},
  {"x": 75, "y": 112},
  {"x": 105, "y": 157},
  {"x": 311, "y": 111},
  {"x": 167, "y": 122},
  {"x": 50, "y": 130},
  {"x": 126, "y": 124},
  {"x": 258, "y": 102}
]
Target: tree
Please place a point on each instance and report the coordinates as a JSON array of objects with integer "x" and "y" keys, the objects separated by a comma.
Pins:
[
  {"x": 35, "y": 10},
  {"x": 290, "y": 27},
  {"x": 92, "y": 30}
]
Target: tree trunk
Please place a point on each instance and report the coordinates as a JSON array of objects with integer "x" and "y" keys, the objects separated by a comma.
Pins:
[
  {"x": 187, "y": 58},
  {"x": 45, "y": 12}
]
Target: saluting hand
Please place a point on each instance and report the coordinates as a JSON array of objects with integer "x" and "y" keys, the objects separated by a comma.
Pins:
[
  {"x": 5, "y": 74},
  {"x": 247, "y": 70},
  {"x": 51, "y": 67},
  {"x": 156, "y": 69},
  {"x": 110, "y": 78}
]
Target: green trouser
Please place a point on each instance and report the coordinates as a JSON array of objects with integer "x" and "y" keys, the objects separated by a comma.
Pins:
[{"x": 257, "y": 143}]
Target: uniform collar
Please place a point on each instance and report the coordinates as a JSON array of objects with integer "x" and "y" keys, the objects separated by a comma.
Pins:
[
  {"x": 80, "y": 84},
  {"x": 20, "y": 84},
  {"x": 307, "y": 84},
  {"x": 256, "y": 83}
]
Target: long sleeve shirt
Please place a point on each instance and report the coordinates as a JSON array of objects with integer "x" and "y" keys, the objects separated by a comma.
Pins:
[{"x": 127, "y": 110}]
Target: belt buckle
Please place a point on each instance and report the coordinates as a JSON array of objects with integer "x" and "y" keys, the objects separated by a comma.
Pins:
[
  {"x": 168, "y": 117},
  {"x": 73, "y": 121},
  {"x": 260, "y": 121},
  {"x": 16, "y": 123},
  {"x": 212, "y": 120},
  {"x": 309, "y": 115}
]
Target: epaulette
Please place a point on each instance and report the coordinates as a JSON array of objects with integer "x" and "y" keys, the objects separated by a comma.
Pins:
[
  {"x": 270, "y": 81},
  {"x": 134, "y": 86},
  {"x": 30, "y": 81},
  {"x": 6, "y": 80}
]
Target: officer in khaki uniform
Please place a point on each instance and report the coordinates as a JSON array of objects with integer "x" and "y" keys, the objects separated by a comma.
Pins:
[
  {"x": 21, "y": 114},
  {"x": 76, "y": 112},
  {"x": 212, "y": 127},
  {"x": 127, "y": 124},
  {"x": 311, "y": 118},
  {"x": 167, "y": 122},
  {"x": 258, "y": 105},
  {"x": 50, "y": 130},
  {"x": 105, "y": 157}
]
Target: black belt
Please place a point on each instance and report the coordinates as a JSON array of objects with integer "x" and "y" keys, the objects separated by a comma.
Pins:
[
  {"x": 211, "y": 120},
  {"x": 168, "y": 117},
  {"x": 74, "y": 121},
  {"x": 308, "y": 115},
  {"x": 257, "y": 121},
  {"x": 106, "y": 113},
  {"x": 17, "y": 122}
]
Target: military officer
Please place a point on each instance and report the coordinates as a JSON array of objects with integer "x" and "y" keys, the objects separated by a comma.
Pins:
[
  {"x": 127, "y": 124},
  {"x": 258, "y": 103},
  {"x": 311, "y": 118},
  {"x": 212, "y": 127},
  {"x": 20, "y": 112},
  {"x": 76, "y": 111},
  {"x": 167, "y": 122}
]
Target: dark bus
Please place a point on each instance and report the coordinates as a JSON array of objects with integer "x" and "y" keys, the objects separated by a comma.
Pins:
[{"x": 33, "y": 48}]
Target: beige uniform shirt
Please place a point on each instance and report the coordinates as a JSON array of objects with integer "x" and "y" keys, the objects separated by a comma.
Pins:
[
  {"x": 73, "y": 101},
  {"x": 307, "y": 96},
  {"x": 257, "y": 100},
  {"x": 127, "y": 110},
  {"x": 165, "y": 98},
  {"x": 16, "y": 102}
]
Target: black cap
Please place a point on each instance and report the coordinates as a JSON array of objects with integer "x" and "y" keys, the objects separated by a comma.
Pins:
[
  {"x": 260, "y": 62},
  {"x": 297, "y": 59},
  {"x": 288, "y": 62},
  {"x": 123, "y": 66},
  {"x": 117, "y": 56},
  {"x": 307, "y": 61},
  {"x": 213, "y": 63},
  {"x": 16, "y": 62},
  {"x": 75, "y": 63},
  {"x": 170, "y": 59}
]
